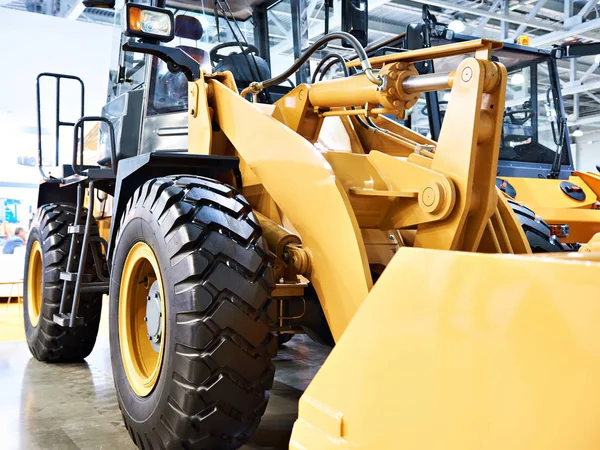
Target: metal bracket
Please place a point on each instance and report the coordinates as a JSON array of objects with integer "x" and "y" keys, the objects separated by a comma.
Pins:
[
  {"x": 76, "y": 229},
  {"x": 64, "y": 320},
  {"x": 72, "y": 276}
]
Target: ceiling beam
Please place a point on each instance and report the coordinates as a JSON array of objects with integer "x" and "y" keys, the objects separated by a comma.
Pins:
[
  {"x": 278, "y": 23},
  {"x": 511, "y": 18},
  {"x": 587, "y": 8},
  {"x": 532, "y": 13},
  {"x": 549, "y": 38},
  {"x": 335, "y": 21},
  {"x": 579, "y": 88},
  {"x": 589, "y": 71},
  {"x": 589, "y": 120},
  {"x": 595, "y": 97},
  {"x": 484, "y": 20}
]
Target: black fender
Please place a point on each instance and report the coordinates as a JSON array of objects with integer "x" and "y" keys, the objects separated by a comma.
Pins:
[
  {"x": 135, "y": 171},
  {"x": 49, "y": 192}
]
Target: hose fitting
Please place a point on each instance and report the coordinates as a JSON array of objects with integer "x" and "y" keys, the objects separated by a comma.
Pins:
[{"x": 375, "y": 79}]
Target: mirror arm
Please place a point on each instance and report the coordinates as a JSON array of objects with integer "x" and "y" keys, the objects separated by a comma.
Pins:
[
  {"x": 575, "y": 50},
  {"x": 177, "y": 60}
]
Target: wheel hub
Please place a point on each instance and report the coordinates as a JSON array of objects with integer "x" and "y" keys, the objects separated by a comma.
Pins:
[
  {"x": 153, "y": 317},
  {"x": 141, "y": 319},
  {"x": 34, "y": 283}
]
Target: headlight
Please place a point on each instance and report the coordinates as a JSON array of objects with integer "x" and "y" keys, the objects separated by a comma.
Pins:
[{"x": 148, "y": 22}]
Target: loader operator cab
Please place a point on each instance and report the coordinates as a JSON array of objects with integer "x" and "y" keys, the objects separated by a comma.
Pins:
[
  {"x": 144, "y": 95},
  {"x": 532, "y": 132},
  {"x": 534, "y": 141}
]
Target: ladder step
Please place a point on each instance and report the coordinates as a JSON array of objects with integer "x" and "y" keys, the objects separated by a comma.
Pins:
[
  {"x": 76, "y": 229},
  {"x": 72, "y": 276},
  {"x": 80, "y": 229},
  {"x": 64, "y": 320}
]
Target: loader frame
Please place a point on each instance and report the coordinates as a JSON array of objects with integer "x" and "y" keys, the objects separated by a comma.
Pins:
[{"x": 333, "y": 214}]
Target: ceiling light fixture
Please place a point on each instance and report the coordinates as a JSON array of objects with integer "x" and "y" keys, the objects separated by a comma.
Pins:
[
  {"x": 457, "y": 25},
  {"x": 517, "y": 78}
]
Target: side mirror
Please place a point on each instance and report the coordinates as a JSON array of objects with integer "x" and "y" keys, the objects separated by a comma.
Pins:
[
  {"x": 355, "y": 20},
  {"x": 110, "y": 4},
  {"x": 575, "y": 50},
  {"x": 148, "y": 23}
]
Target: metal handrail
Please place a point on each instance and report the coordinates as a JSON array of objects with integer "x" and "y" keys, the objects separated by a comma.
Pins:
[
  {"x": 77, "y": 168},
  {"x": 59, "y": 123}
]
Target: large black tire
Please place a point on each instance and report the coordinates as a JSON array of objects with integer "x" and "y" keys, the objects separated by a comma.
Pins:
[
  {"x": 216, "y": 370},
  {"x": 47, "y": 340},
  {"x": 536, "y": 230}
]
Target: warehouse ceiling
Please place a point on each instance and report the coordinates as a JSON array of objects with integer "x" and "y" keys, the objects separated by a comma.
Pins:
[{"x": 546, "y": 22}]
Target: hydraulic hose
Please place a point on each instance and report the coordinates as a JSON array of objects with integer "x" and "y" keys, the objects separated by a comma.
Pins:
[
  {"x": 256, "y": 87},
  {"x": 338, "y": 60}
]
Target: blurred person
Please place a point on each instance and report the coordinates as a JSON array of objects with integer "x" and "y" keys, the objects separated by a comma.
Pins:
[
  {"x": 5, "y": 230},
  {"x": 16, "y": 240}
]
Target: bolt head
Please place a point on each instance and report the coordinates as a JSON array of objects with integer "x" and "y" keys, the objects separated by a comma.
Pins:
[
  {"x": 466, "y": 74},
  {"x": 429, "y": 196},
  {"x": 392, "y": 238},
  {"x": 145, "y": 319}
]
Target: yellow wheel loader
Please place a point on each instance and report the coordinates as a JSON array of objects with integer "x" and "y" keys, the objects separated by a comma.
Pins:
[{"x": 277, "y": 218}]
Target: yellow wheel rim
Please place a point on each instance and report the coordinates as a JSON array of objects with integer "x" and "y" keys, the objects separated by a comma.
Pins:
[
  {"x": 34, "y": 283},
  {"x": 141, "y": 361}
]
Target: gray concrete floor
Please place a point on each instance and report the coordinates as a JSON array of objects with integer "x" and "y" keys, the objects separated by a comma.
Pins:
[{"x": 74, "y": 406}]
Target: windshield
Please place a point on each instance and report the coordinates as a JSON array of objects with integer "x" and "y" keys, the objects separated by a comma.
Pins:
[
  {"x": 168, "y": 90},
  {"x": 529, "y": 131},
  {"x": 198, "y": 34}
]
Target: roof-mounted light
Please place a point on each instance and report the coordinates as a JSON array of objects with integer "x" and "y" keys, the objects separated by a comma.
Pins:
[{"x": 148, "y": 22}]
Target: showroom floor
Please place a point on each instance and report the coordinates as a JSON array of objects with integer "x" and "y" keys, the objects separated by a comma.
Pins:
[{"x": 73, "y": 406}]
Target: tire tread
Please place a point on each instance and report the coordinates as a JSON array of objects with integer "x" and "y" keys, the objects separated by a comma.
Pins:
[
  {"x": 51, "y": 342},
  {"x": 536, "y": 230},
  {"x": 222, "y": 285}
]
